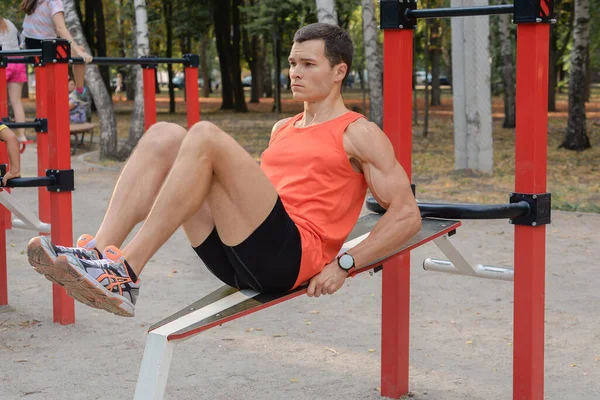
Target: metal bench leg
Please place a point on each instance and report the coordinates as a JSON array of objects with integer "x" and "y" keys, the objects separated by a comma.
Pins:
[{"x": 154, "y": 370}]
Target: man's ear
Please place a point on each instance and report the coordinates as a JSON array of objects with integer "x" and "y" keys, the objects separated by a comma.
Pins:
[{"x": 340, "y": 71}]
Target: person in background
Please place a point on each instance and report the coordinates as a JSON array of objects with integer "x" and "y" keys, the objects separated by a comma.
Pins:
[
  {"x": 16, "y": 74},
  {"x": 78, "y": 109},
  {"x": 119, "y": 86},
  {"x": 14, "y": 156},
  {"x": 45, "y": 19}
]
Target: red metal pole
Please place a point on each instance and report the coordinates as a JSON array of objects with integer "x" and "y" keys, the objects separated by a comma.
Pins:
[
  {"x": 149, "y": 97},
  {"x": 60, "y": 159},
  {"x": 41, "y": 111},
  {"x": 192, "y": 103},
  {"x": 397, "y": 124},
  {"x": 530, "y": 242},
  {"x": 3, "y": 213},
  {"x": 3, "y": 149}
]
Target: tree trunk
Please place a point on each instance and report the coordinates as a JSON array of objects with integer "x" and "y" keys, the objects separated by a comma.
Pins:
[
  {"x": 142, "y": 44},
  {"x": 435, "y": 52},
  {"x": 268, "y": 76},
  {"x": 326, "y": 12},
  {"x": 102, "y": 99},
  {"x": 101, "y": 42},
  {"x": 277, "y": 74},
  {"x": 204, "y": 66},
  {"x": 223, "y": 39},
  {"x": 373, "y": 62},
  {"x": 236, "y": 60},
  {"x": 473, "y": 144},
  {"x": 426, "y": 102},
  {"x": 89, "y": 26},
  {"x": 552, "y": 73},
  {"x": 576, "y": 137},
  {"x": 168, "y": 14},
  {"x": 588, "y": 77},
  {"x": 508, "y": 71}
]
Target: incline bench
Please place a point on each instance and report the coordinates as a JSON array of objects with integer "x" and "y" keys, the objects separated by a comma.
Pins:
[
  {"x": 227, "y": 303},
  {"x": 81, "y": 129}
]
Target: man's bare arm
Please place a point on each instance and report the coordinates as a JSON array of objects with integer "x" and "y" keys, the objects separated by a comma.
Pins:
[{"x": 389, "y": 184}]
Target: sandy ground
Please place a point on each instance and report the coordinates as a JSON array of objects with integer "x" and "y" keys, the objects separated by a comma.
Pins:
[{"x": 461, "y": 328}]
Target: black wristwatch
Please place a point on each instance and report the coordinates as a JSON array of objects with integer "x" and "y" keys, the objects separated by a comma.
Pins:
[{"x": 346, "y": 262}]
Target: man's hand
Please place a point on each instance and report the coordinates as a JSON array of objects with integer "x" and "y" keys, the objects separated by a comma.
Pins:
[
  {"x": 9, "y": 175},
  {"x": 328, "y": 281}
]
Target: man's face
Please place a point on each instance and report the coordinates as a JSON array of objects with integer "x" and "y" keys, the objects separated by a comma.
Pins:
[
  {"x": 311, "y": 74},
  {"x": 71, "y": 86}
]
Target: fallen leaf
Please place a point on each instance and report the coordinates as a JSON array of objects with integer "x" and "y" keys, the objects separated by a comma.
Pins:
[
  {"x": 293, "y": 380},
  {"x": 249, "y": 329},
  {"x": 469, "y": 342},
  {"x": 313, "y": 312},
  {"x": 573, "y": 365},
  {"x": 332, "y": 350},
  {"x": 21, "y": 360},
  {"x": 258, "y": 329},
  {"x": 174, "y": 271},
  {"x": 309, "y": 323},
  {"x": 371, "y": 350},
  {"x": 13, "y": 245}
]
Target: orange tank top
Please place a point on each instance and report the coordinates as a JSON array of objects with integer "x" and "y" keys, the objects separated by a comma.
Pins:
[{"x": 320, "y": 190}]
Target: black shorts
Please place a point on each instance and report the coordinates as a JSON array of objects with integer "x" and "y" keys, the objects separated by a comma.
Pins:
[{"x": 267, "y": 261}]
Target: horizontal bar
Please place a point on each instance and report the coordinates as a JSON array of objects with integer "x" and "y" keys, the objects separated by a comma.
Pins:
[
  {"x": 20, "y": 60},
  {"x": 23, "y": 53},
  {"x": 40, "y": 181},
  {"x": 480, "y": 270},
  {"x": 461, "y": 11},
  {"x": 17, "y": 125},
  {"x": 42, "y": 227},
  {"x": 464, "y": 211},
  {"x": 130, "y": 60}
]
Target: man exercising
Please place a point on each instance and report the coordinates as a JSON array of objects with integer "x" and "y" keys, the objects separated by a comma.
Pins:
[{"x": 271, "y": 227}]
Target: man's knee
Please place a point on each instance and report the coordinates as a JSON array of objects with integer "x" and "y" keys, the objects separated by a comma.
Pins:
[
  {"x": 204, "y": 136},
  {"x": 162, "y": 140}
]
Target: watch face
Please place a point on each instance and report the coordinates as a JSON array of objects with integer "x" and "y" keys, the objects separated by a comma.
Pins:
[{"x": 346, "y": 261}]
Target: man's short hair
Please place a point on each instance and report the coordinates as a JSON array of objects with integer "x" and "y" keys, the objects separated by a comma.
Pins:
[{"x": 338, "y": 45}]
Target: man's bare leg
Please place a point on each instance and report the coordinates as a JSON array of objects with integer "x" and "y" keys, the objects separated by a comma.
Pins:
[
  {"x": 140, "y": 182},
  {"x": 211, "y": 166}
]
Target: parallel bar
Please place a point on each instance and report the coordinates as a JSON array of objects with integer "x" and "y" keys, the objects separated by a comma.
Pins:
[
  {"x": 530, "y": 242},
  {"x": 60, "y": 159},
  {"x": 16, "y": 125},
  {"x": 149, "y": 97},
  {"x": 23, "y": 53},
  {"x": 461, "y": 11},
  {"x": 464, "y": 211},
  {"x": 479, "y": 270},
  {"x": 130, "y": 61},
  {"x": 397, "y": 124},
  {"x": 41, "y": 110},
  {"x": 41, "y": 181}
]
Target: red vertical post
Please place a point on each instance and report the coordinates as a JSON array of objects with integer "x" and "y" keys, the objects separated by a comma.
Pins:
[
  {"x": 149, "y": 96},
  {"x": 3, "y": 149},
  {"x": 59, "y": 157},
  {"x": 41, "y": 111},
  {"x": 192, "y": 103},
  {"x": 5, "y": 217},
  {"x": 397, "y": 124},
  {"x": 530, "y": 241}
]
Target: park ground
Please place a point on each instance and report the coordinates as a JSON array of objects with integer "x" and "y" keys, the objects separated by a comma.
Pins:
[{"x": 326, "y": 348}]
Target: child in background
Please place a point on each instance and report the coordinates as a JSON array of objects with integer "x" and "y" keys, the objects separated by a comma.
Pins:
[
  {"x": 14, "y": 156},
  {"x": 78, "y": 107},
  {"x": 16, "y": 74}
]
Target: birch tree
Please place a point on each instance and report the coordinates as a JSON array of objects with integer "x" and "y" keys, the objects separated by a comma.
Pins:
[
  {"x": 326, "y": 12},
  {"x": 576, "y": 137},
  {"x": 373, "y": 62},
  {"x": 102, "y": 99},
  {"x": 142, "y": 45}
]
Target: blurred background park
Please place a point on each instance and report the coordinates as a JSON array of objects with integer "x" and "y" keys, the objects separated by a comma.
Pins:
[{"x": 244, "y": 87}]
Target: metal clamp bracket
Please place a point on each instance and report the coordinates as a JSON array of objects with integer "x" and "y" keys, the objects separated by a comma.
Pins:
[
  {"x": 540, "y": 205},
  {"x": 539, "y": 11},
  {"x": 393, "y": 14},
  {"x": 191, "y": 60},
  {"x": 64, "y": 180}
]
